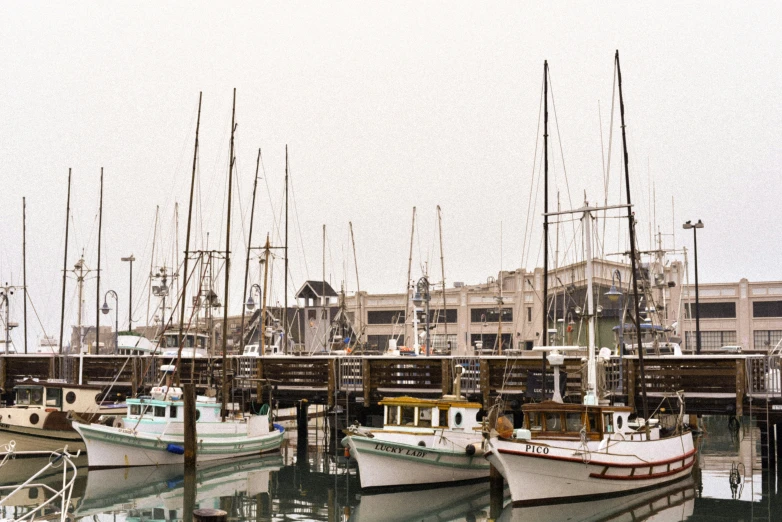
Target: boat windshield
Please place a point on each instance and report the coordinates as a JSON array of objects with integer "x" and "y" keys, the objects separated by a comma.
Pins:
[{"x": 29, "y": 395}]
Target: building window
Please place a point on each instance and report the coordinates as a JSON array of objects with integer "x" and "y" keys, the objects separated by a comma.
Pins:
[
  {"x": 766, "y": 339},
  {"x": 529, "y": 314},
  {"x": 767, "y": 309},
  {"x": 712, "y": 310},
  {"x": 487, "y": 343},
  {"x": 711, "y": 340},
  {"x": 490, "y": 315},
  {"x": 438, "y": 317},
  {"x": 441, "y": 345},
  {"x": 386, "y": 317}
]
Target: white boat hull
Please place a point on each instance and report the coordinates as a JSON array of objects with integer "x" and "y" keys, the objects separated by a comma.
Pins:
[
  {"x": 551, "y": 471},
  {"x": 388, "y": 463},
  {"x": 117, "y": 447}
]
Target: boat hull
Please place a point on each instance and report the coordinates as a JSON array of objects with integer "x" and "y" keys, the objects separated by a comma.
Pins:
[
  {"x": 389, "y": 464},
  {"x": 110, "y": 447},
  {"x": 554, "y": 471}
]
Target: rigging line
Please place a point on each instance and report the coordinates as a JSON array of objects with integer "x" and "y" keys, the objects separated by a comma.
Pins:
[
  {"x": 607, "y": 166},
  {"x": 298, "y": 227},
  {"x": 559, "y": 139},
  {"x": 527, "y": 240},
  {"x": 534, "y": 208}
]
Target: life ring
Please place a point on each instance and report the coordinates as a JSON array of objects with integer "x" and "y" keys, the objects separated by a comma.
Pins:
[{"x": 118, "y": 423}]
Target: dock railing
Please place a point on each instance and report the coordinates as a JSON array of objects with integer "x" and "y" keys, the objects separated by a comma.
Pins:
[{"x": 763, "y": 376}]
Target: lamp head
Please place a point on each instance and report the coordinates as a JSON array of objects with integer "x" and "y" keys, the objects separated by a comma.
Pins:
[
  {"x": 250, "y": 304},
  {"x": 613, "y": 294},
  {"x": 105, "y": 308}
]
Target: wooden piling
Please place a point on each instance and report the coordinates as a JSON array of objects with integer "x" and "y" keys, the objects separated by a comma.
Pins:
[
  {"x": 190, "y": 426},
  {"x": 332, "y": 382},
  {"x": 447, "y": 377},
  {"x": 485, "y": 380},
  {"x": 210, "y": 515},
  {"x": 631, "y": 383}
]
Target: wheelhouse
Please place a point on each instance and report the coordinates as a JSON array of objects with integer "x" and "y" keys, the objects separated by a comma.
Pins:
[
  {"x": 409, "y": 412},
  {"x": 554, "y": 419}
]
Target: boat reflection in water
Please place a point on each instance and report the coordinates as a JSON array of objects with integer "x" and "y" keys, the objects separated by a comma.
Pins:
[
  {"x": 148, "y": 491},
  {"x": 673, "y": 502},
  {"x": 443, "y": 503}
]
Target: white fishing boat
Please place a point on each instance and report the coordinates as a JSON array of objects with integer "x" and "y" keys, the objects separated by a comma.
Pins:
[
  {"x": 592, "y": 450},
  {"x": 422, "y": 442},
  {"x": 153, "y": 433},
  {"x": 45, "y": 408}
]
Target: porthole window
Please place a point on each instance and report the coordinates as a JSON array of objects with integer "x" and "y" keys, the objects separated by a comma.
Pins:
[
  {"x": 422, "y": 444},
  {"x": 619, "y": 422},
  {"x": 34, "y": 418},
  {"x": 70, "y": 397},
  {"x": 198, "y": 414},
  {"x": 457, "y": 419}
]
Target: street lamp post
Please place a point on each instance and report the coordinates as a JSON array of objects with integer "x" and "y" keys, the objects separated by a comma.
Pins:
[
  {"x": 689, "y": 225},
  {"x": 105, "y": 309},
  {"x": 130, "y": 259},
  {"x": 422, "y": 297},
  {"x": 250, "y": 304}
]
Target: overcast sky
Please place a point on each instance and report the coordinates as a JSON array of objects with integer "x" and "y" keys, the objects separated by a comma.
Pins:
[{"x": 384, "y": 107}]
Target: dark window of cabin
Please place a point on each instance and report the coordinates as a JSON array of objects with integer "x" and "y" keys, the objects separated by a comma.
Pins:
[
  {"x": 54, "y": 397},
  {"x": 592, "y": 419},
  {"x": 408, "y": 416},
  {"x": 573, "y": 421},
  {"x": 553, "y": 422},
  {"x": 173, "y": 412},
  {"x": 36, "y": 397},
  {"x": 135, "y": 409},
  {"x": 443, "y": 421},
  {"x": 160, "y": 411},
  {"x": 425, "y": 417},
  {"x": 393, "y": 415}
]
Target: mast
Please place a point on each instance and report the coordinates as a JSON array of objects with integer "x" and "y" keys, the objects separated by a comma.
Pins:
[
  {"x": 591, "y": 370},
  {"x": 267, "y": 248},
  {"x": 24, "y": 270},
  {"x": 442, "y": 267},
  {"x": 152, "y": 272},
  {"x": 249, "y": 247},
  {"x": 97, "y": 289},
  {"x": 544, "y": 332},
  {"x": 228, "y": 258},
  {"x": 285, "y": 276},
  {"x": 65, "y": 259},
  {"x": 409, "y": 273},
  {"x": 323, "y": 291},
  {"x": 631, "y": 224},
  {"x": 358, "y": 286},
  {"x": 183, "y": 302}
]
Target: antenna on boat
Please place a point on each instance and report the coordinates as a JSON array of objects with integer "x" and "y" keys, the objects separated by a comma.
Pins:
[
  {"x": 409, "y": 275},
  {"x": 97, "y": 298},
  {"x": 24, "y": 271},
  {"x": 633, "y": 260},
  {"x": 285, "y": 275}
]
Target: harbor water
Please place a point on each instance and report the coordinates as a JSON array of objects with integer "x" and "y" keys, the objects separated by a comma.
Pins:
[{"x": 727, "y": 484}]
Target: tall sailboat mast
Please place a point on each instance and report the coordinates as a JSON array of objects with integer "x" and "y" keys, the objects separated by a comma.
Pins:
[
  {"x": 97, "y": 289},
  {"x": 183, "y": 300},
  {"x": 633, "y": 261},
  {"x": 24, "y": 270},
  {"x": 249, "y": 249},
  {"x": 544, "y": 331},
  {"x": 285, "y": 275},
  {"x": 228, "y": 259},
  {"x": 65, "y": 259}
]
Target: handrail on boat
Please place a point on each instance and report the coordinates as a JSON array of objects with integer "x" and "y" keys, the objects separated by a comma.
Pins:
[{"x": 56, "y": 458}]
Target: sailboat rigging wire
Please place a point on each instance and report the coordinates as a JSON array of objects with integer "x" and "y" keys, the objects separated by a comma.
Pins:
[
  {"x": 303, "y": 257},
  {"x": 607, "y": 166},
  {"x": 527, "y": 242},
  {"x": 559, "y": 139}
]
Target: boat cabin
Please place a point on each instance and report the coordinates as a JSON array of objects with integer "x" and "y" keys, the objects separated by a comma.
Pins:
[
  {"x": 410, "y": 412},
  {"x": 166, "y": 404},
  {"x": 551, "y": 419}
]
